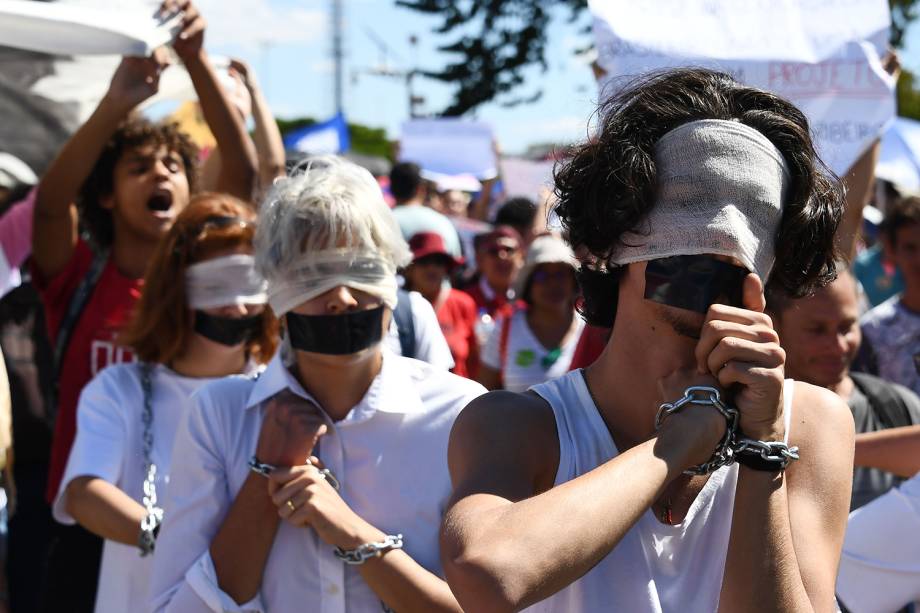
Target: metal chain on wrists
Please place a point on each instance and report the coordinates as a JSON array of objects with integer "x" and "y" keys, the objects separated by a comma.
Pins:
[
  {"x": 706, "y": 396},
  {"x": 154, "y": 515},
  {"x": 773, "y": 455},
  {"x": 365, "y": 552},
  {"x": 776, "y": 453}
]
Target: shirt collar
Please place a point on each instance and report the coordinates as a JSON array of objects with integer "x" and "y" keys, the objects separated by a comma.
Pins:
[{"x": 392, "y": 390}]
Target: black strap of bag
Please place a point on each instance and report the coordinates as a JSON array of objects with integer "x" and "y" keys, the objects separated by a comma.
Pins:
[
  {"x": 69, "y": 322},
  {"x": 405, "y": 326}
]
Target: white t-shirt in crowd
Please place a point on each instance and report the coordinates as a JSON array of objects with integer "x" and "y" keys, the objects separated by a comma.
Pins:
[
  {"x": 430, "y": 344},
  {"x": 880, "y": 564},
  {"x": 389, "y": 454},
  {"x": 527, "y": 362},
  {"x": 108, "y": 445}
]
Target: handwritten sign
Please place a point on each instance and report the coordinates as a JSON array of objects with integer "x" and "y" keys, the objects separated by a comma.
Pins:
[
  {"x": 823, "y": 55},
  {"x": 449, "y": 147}
]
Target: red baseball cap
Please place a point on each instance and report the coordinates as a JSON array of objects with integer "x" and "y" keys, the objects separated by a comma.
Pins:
[{"x": 424, "y": 244}]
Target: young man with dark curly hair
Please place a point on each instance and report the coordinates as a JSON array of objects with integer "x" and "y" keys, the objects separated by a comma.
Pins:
[
  {"x": 578, "y": 496},
  {"x": 124, "y": 180}
]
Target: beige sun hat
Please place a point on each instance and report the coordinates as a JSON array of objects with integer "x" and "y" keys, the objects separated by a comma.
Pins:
[{"x": 546, "y": 249}]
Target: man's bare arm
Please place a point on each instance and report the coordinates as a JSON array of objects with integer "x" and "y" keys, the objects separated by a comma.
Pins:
[
  {"x": 896, "y": 450},
  {"x": 859, "y": 182},
  {"x": 238, "y": 155},
  {"x": 787, "y": 529},
  {"x": 510, "y": 539}
]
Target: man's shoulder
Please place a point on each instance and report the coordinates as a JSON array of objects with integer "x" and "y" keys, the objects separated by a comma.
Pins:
[
  {"x": 819, "y": 417},
  {"x": 507, "y": 416}
]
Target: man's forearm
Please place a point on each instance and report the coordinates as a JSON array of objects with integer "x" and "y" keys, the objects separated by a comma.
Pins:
[
  {"x": 501, "y": 556},
  {"x": 242, "y": 545},
  {"x": 238, "y": 157},
  {"x": 761, "y": 569},
  {"x": 73, "y": 163},
  {"x": 54, "y": 232},
  {"x": 896, "y": 450},
  {"x": 268, "y": 141}
]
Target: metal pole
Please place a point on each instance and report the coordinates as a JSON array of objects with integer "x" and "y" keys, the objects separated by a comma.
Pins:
[{"x": 337, "y": 53}]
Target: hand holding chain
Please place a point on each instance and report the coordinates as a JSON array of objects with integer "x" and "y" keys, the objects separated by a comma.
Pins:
[
  {"x": 734, "y": 447},
  {"x": 261, "y": 468}
]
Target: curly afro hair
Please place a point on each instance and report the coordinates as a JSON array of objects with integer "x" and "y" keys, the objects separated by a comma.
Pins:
[
  {"x": 133, "y": 132},
  {"x": 608, "y": 185}
]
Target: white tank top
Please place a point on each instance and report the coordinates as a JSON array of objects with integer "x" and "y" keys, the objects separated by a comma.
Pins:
[{"x": 656, "y": 567}]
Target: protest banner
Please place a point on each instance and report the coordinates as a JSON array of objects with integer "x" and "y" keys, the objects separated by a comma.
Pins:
[
  {"x": 523, "y": 177},
  {"x": 899, "y": 158},
  {"x": 823, "y": 55},
  {"x": 86, "y": 28},
  {"x": 448, "y": 146}
]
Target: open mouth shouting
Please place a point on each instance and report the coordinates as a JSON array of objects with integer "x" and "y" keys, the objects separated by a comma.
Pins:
[{"x": 160, "y": 201}]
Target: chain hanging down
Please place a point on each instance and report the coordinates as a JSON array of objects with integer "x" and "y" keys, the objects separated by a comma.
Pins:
[{"x": 150, "y": 525}]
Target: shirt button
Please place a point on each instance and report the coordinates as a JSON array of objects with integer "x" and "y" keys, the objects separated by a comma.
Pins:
[{"x": 333, "y": 589}]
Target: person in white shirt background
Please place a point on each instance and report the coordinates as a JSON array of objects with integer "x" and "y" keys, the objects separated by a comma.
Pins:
[
  {"x": 531, "y": 345},
  {"x": 319, "y": 485},
  {"x": 201, "y": 317}
]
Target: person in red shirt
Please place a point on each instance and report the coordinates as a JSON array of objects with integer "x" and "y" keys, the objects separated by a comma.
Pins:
[
  {"x": 456, "y": 310},
  {"x": 124, "y": 179},
  {"x": 499, "y": 257}
]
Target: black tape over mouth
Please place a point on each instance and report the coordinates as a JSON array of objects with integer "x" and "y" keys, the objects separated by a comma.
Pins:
[{"x": 694, "y": 282}]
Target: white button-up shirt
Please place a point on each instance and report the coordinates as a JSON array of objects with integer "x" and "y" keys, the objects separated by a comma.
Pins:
[{"x": 389, "y": 454}]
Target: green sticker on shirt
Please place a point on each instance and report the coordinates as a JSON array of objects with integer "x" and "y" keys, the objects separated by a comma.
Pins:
[{"x": 525, "y": 357}]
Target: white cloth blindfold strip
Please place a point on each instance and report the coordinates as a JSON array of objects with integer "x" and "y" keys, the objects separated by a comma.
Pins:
[
  {"x": 224, "y": 281},
  {"x": 721, "y": 190},
  {"x": 322, "y": 271}
]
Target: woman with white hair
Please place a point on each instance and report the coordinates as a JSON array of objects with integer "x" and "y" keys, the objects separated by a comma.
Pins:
[{"x": 319, "y": 485}]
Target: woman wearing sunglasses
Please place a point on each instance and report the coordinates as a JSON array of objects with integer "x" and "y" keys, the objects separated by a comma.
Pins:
[
  {"x": 536, "y": 343},
  {"x": 201, "y": 317}
]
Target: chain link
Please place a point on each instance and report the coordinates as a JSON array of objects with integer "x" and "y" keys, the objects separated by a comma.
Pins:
[
  {"x": 773, "y": 452},
  {"x": 700, "y": 395},
  {"x": 365, "y": 552},
  {"x": 154, "y": 516}
]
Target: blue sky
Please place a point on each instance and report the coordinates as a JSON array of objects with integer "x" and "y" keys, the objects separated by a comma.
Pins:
[{"x": 288, "y": 43}]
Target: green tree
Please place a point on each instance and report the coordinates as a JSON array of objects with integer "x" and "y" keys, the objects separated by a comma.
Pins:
[{"x": 492, "y": 42}]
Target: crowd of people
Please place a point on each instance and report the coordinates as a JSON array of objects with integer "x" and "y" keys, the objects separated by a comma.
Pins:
[{"x": 240, "y": 386}]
